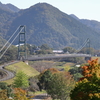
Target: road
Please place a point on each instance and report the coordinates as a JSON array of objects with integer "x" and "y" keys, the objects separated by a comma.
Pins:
[
  {"x": 9, "y": 74},
  {"x": 41, "y": 97}
]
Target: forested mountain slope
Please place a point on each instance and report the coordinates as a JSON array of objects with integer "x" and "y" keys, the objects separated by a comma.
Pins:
[
  {"x": 93, "y": 24},
  {"x": 47, "y": 24},
  {"x": 9, "y": 7}
]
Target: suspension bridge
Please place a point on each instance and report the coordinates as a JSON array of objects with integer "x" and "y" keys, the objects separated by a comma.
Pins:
[{"x": 20, "y": 33}]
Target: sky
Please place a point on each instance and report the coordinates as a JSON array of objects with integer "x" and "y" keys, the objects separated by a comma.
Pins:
[{"x": 83, "y": 9}]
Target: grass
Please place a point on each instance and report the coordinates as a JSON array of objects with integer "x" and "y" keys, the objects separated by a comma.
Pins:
[
  {"x": 64, "y": 64},
  {"x": 21, "y": 66}
]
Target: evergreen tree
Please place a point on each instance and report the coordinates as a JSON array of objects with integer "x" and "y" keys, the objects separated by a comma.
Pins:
[{"x": 21, "y": 80}]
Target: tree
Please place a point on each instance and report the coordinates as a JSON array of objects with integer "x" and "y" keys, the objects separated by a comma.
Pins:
[
  {"x": 11, "y": 54},
  {"x": 3, "y": 85},
  {"x": 76, "y": 72},
  {"x": 45, "y": 79},
  {"x": 88, "y": 50},
  {"x": 45, "y": 47},
  {"x": 20, "y": 94},
  {"x": 3, "y": 95},
  {"x": 69, "y": 50},
  {"x": 21, "y": 80},
  {"x": 60, "y": 85},
  {"x": 6, "y": 88},
  {"x": 88, "y": 88},
  {"x": 57, "y": 84},
  {"x": 45, "y": 76}
]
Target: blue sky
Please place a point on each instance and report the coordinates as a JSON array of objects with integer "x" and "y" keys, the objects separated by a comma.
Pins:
[{"x": 84, "y": 9}]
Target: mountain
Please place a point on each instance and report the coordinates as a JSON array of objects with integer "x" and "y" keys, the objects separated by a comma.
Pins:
[
  {"x": 9, "y": 7},
  {"x": 93, "y": 24},
  {"x": 46, "y": 24},
  {"x": 2, "y": 41},
  {"x": 6, "y": 18},
  {"x": 75, "y": 17}
]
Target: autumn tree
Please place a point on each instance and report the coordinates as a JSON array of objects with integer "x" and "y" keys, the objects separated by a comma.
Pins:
[
  {"x": 20, "y": 94},
  {"x": 4, "y": 87},
  {"x": 88, "y": 87},
  {"x": 3, "y": 95}
]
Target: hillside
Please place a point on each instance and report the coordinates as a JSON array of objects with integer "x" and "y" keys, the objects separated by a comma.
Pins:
[
  {"x": 2, "y": 41},
  {"x": 47, "y": 24},
  {"x": 6, "y": 18},
  {"x": 93, "y": 24},
  {"x": 9, "y": 7},
  {"x": 21, "y": 66}
]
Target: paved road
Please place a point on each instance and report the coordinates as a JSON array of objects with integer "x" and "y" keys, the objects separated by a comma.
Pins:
[
  {"x": 9, "y": 74},
  {"x": 41, "y": 97}
]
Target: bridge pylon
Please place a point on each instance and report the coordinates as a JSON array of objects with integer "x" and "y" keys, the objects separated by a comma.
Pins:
[
  {"x": 22, "y": 54},
  {"x": 88, "y": 45}
]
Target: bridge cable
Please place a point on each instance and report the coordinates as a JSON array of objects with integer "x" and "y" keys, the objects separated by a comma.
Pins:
[
  {"x": 9, "y": 39},
  {"x": 10, "y": 44},
  {"x": 83, "y": 45}
]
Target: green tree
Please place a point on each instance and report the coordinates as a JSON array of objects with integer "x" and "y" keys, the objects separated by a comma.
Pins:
[
  {"x": 11, "y": 54},
  {"x": 76, "y": 72},
  {"x": 45, "y": 47},
  {"x": 45, "y": 79},
  {"x": 3, "y": 85},
  {"x": 88, "y": 51},
  {"x": 57, "y": 84},
  {"x": 60, "y": 85},
  {"x": 69, "y": 50},
  {"x": 21, "y": 80}
]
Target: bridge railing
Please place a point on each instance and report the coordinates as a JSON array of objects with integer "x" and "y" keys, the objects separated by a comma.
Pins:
[{"x": 46, "y": 56}]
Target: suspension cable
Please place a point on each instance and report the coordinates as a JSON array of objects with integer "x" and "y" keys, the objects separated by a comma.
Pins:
[
  {"x": 84, "y": 44},
  {"x": 9, "y": 39},
  {"x": 10, "y": 44}
]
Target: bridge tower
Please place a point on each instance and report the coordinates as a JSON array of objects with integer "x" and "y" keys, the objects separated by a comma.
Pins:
[
  {"x": 88, "y": 45},
  {"x": 88, "y": 52},
  {"x": 22, "y": 54}
]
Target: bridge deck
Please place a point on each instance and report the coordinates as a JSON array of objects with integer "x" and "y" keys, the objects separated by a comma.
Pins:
[{"x": 40, "y": 57}]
